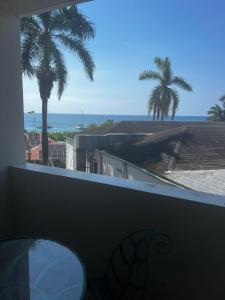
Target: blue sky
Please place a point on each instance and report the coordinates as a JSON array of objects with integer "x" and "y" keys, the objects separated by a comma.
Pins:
[{"x": 129, "y": 34}]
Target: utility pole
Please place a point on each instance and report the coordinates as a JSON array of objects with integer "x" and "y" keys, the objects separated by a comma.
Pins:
[{"x": 34, "y": 122}]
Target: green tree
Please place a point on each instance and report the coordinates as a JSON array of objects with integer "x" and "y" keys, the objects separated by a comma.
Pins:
[
  {"x": 43, "y": 39},
  {"x": 216, "y": 113},
  {"x": 105, "y": 125},
  {"x": 164, "y": 97},
  {"x": 61, "y": 136}
]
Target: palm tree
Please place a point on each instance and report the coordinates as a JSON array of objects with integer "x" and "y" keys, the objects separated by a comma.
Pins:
[
  {"x": 164, "y": 97},
  {"x": 216, "y": 113},
  {"x": 43, "y": 39},
  {"x": 222, "y": 99}
]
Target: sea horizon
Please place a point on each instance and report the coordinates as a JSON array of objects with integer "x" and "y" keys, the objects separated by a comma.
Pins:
[{"x": 71, "y": 122}]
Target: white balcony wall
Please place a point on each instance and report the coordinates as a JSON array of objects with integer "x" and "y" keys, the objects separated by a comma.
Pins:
[
  {"x": 11, "y": 111},
  {"x": 92, "y": 213}
]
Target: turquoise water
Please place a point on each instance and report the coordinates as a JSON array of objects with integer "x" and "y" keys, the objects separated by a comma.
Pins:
[{"x": 69, "y": 122}]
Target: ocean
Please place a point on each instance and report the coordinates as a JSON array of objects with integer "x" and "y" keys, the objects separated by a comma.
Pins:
[{"x": 71, "y": 122}]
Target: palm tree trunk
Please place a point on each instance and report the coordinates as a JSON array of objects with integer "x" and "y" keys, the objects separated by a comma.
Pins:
[
  {"x": 44, "y": 131},
  {"x": 154, "y": 112},
  {"x": 158, "y": 113}
]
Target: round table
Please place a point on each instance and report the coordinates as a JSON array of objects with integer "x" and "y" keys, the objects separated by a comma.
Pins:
[{"x": 38, "y": 269}]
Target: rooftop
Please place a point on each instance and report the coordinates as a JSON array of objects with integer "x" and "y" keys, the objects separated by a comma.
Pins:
[
  {"x": 163, "y": 146},
  {"x": 57, "y": 151},
  {"x": 139, "y": 127},
  {"x": 208, "y": 181}
]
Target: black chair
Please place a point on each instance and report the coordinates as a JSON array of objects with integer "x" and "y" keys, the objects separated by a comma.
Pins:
[{"x": 131, "y": 272}]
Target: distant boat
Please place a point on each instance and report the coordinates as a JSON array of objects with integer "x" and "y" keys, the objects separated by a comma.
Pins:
[
  {"x": 49, "y": 127},
  {"x": 80, "y": 127}
]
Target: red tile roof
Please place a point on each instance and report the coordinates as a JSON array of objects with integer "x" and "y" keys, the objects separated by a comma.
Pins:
[{"x": 36, "y": 151}]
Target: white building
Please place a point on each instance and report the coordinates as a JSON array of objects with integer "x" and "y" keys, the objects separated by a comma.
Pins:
[
  {"x": 82, "y": 154},
  {"x": 107, "y": 164}
]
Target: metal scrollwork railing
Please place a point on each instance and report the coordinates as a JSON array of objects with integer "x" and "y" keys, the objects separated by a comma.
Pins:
[{"x": 131, "y": 268}]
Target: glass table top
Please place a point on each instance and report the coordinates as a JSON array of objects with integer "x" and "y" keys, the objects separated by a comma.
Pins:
[{"x": 39, "y": 270}]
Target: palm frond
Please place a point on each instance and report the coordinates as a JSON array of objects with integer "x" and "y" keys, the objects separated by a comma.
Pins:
[
  {"x": 30, "y": 30},
  {"x": 60, "y": 68},
  {"x": 45, "y": 19},
  {"x": 222, "y": 99},
  {"x": 159, "y": 62},
  {"x": 150, "y": 75},
  {"x": 29, "y": 54},
  {"x": 71, "y": 21},
  {"x": 45, "y": 55},
  {"x": 29, "y": 26},
  {"x": 165, "y": 101},
  {"x": 180, "y": 82},
  {"x": 175, "y": 103},
  {"x": 80, "y": 24},
  {"x": 154, "y": 101},
  {"x": 167, "y": 71},
  {"x": 216, "y": 113},
  {"x": 77, "y": 46}
]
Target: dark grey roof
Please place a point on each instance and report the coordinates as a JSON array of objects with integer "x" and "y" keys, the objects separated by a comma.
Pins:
[
  {"x": 203, "y": 149},
  {"x": 147, "y": 127},
  {"x": 155, "y": 148},
  {"x": 132, "y": 127},
  {"x": 202, "y": 145},
  {"x": 147, "y": 153}
]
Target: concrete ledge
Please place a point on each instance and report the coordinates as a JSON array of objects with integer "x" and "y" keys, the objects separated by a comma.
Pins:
[
  {"x": 33, "y": 7},
  {"x": 156, "y": 189}
]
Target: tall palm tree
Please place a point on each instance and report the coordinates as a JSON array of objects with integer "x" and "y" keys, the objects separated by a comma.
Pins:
[
  {"x": 164, "y": 97},
  {"x": 216, "y": 113},
  {"x": 43, "y": 39}
]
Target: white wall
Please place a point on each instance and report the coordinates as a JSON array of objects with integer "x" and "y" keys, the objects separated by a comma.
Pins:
[
  {"x": 114, "y": 166},
  {"x": 69, "y": 154},
  {"x": 110, "y": 165},
  {"x": 12, "y": 145}
]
